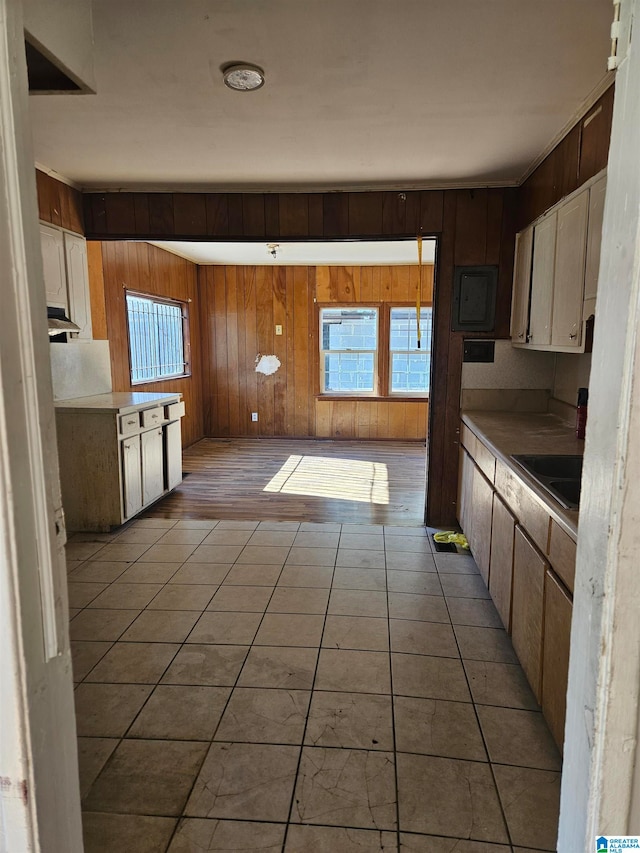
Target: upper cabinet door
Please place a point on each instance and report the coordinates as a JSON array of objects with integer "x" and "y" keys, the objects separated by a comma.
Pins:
[
  {"x": 521, "y": 286},
  {"x": 55, "y": 281},
  {"x": 542, "y": 278},
  {"x": 568, "y": 293},
  {"x": 75, "y": 249},
  {"x": 594, "y": 238}
]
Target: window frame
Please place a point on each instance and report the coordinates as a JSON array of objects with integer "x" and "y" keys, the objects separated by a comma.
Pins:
[
  {"x": 382, "y": 367},
  {"x": 420, "y": 395},
  {"x": 183, "y": 304},
  {"x": 320, "y": 373}
]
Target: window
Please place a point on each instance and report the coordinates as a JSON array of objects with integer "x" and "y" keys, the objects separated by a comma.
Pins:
[
  {"x": 410, "y": 366},
  {"x": 352, "y": 362},
  {"x": 349, "y": 343},
  {"x": 158, "y": 337}
]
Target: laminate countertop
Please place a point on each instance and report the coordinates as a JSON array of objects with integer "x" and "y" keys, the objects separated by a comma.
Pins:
[
  {"x": 117, "y": 401},
  {"x": 507, "y": 434}
]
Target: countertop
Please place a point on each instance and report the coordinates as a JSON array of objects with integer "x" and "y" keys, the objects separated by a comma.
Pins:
[
  {"x": 513, "y": 433},
  {"x": 117, "y": 401}
]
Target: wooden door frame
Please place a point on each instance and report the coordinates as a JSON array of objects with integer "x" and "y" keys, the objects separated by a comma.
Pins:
[{"x": 472, "y": 226}]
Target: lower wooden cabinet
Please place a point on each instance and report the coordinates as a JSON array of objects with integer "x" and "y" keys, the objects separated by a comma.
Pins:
[
  {"x": 558, "y": 610},
  {"x": 503, "y": 528},
  {"x": 480, "y": 511},
  {"x": 511, "y": 535},
  {"x": 527, "y": 610}
]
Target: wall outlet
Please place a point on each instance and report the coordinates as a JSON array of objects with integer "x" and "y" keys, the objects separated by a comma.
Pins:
[
  {"x": 254, "y": 416},
  {"x": 278, "y": 330}
]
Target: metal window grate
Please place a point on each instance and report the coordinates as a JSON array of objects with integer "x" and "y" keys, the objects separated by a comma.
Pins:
[{"x": 156, "y": 339}]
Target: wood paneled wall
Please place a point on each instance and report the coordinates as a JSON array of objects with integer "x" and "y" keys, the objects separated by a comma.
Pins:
[
  {"x": 372, "y": 419},
  {"x": 59, "y": 203},
  {"x": 203, "y": 216},
  {"x": 241, "y": 307},
  {"x": 473, "y": 226},
  {"x": 145, "y": 268},
  {"x": 580, "y": 155}
]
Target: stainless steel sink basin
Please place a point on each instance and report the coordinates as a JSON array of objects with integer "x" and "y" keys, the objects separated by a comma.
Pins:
[{"x": 559, "y": 475}]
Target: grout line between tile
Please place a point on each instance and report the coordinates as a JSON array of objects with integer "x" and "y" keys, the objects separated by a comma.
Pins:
[{"x": 306, "y": 721}]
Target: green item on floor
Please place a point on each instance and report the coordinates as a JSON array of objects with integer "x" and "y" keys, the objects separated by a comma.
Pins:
[{"x": 454, "y": 538}]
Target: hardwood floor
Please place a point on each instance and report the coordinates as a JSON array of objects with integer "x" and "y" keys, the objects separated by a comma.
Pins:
[{"x": 303, "y": 480}]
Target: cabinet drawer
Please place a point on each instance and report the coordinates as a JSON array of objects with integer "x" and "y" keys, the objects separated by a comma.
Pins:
[
  {"x": 562, "y": 555},
  {"x": 531, "y": 515},
  {"x": 174, "y": 411},
  {"x": 152, "y": 417},
  {"x": 130, "y": 424}
]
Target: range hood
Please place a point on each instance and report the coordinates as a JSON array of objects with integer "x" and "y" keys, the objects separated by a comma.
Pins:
[{"x": 59, "y": 323}]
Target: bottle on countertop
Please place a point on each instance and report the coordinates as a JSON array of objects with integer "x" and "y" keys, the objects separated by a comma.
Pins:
[{"x": 581, "y": 412}]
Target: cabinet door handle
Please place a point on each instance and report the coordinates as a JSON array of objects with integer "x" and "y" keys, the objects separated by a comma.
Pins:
[{"x": 573, "y": 337}]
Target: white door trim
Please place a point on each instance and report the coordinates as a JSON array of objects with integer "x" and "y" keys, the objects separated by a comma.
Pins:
[
  {"x": 599, "y": 791},
  {"x": 39, "y": 790}
]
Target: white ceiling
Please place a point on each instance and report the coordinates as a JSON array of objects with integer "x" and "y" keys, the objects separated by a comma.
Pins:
[
  {"x": 336, "y": 253},
  {"x": 358, "y": 93}
]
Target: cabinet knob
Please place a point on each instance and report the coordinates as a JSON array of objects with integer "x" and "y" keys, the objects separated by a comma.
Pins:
[
  {"x": 521, "y": 335},
  {"x": 573, "y": 336}
]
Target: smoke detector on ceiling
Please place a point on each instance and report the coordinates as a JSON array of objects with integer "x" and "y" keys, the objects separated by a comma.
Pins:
[{"x": 243, "y": 77}]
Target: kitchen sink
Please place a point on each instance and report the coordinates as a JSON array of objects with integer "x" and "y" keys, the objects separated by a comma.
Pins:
[{"x": 559, "y": 475}]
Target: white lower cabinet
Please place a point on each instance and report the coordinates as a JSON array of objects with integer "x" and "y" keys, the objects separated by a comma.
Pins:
[
  {"x": 173, "y": 454},
  {"x": 118, "y": 454},
  {"x": 131, "y": 476},
  {"x": 152, "y": 458}
]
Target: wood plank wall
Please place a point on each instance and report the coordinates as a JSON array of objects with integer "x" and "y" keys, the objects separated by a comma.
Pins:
[
  {"x": 59, "y": 203},
  {"x": 474, "y": 227},
  {"x": 145, "y": 268},
  {"x": 240, "y": 309},
  {"x": 580, "y": 155}
]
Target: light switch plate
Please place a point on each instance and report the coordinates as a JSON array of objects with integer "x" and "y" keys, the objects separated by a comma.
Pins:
[{"x": 278, "y": 330}]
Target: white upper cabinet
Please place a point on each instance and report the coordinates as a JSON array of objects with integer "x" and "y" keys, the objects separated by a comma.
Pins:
[
  {"x": 542, "y": 277},
  {"x": 53, "y": 268},
  {"x": 66, "y": 276},
  {"x": 75, "y": 250},
  {"x": 556, "y": 273},
  {"x": 521, "y": 285},
  {"x": 568, "y": 283},
  {"x": 594, "y": 239}
]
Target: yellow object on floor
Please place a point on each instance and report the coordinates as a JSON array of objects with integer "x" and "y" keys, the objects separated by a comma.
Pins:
[{"x": 452, "y": 537}]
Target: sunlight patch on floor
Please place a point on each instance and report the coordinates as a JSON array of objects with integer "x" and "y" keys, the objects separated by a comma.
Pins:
[{"x": 341, "y": 479}]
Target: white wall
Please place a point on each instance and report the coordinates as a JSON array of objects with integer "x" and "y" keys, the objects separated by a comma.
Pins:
[
  {"x": 512, "y": 368},
  {"x": 80, "y": 369},
  {"x": 517, "y": 380},
  {"x": 572, "y": 372}
]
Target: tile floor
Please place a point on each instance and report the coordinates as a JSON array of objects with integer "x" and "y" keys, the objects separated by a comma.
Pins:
[{"x": 302, "y": 687}]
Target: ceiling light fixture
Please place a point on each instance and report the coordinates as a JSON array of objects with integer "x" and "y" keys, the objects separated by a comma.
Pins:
[{"x": 243, "y": 77}]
